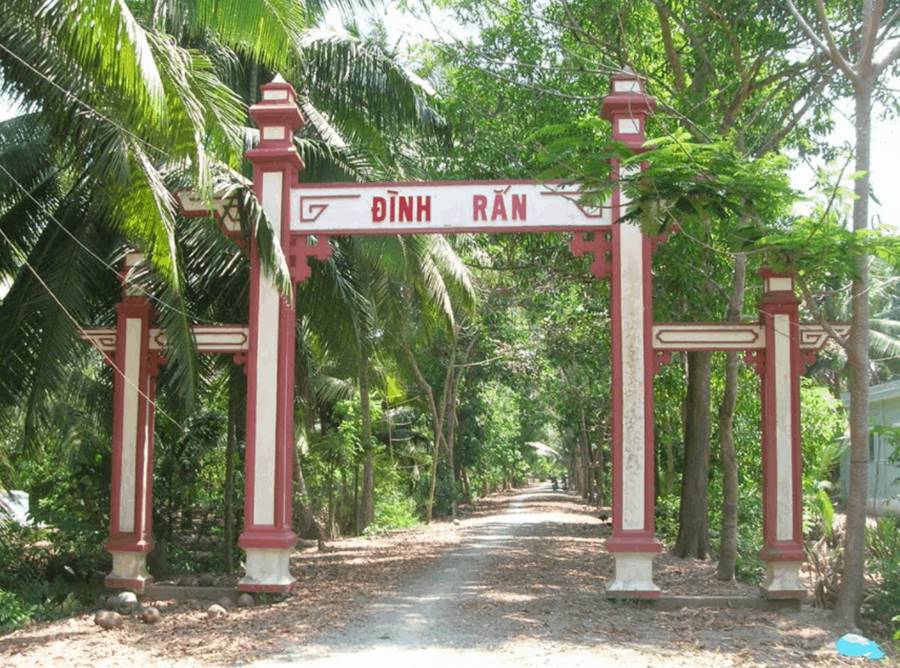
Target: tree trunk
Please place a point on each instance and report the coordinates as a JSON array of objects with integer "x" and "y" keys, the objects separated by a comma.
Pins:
[
  {"x": 850, "y": 593},
  {"x": 693, "y": 515},
  {"x": 367, "y": 497},
  {"x": 597, "y": 467},
  {"x": 728, "y": 537},
  {"x": 587, "y": 491},
  {"x": 236, "y": 399},
  {"x": 303, "y": 506}
]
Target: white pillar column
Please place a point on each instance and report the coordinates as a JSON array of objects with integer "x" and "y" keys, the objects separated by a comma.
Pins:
[
  {"x": 781, "y": 455},
  {"x": 633, "y": 543},
  {"x": 267, "y": 537},
  {"x": 134, "y": 372}
]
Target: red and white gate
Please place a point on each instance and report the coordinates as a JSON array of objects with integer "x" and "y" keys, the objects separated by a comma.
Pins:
[{"x": 305, "y": 215}]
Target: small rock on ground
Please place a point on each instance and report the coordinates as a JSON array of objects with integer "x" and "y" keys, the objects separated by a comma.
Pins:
[
  {"x": 150, "y": 616},
  {"x": 245, "y": 600},
  {"x": 215, "y": 611},
  {"x": 107, "y": 619}
]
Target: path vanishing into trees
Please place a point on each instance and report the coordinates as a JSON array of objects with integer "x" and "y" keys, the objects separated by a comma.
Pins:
[
  {"x": 519, "y": 582},
  {"x": 524, "y": 587}
]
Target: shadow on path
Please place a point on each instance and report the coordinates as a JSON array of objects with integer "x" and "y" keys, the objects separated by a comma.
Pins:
[{"x": 526, "y": 587}]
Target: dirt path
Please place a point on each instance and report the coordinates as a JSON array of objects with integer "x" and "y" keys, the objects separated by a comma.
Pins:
[
  {"x": 521, "y": 583},
  {"x": 520, "y": 590}
]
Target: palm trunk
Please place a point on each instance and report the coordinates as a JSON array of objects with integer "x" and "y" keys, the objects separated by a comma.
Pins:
[
  {"x": 728, "y": 537},
  {"x": 235, "y": 402},
  {"x": 850, "y": 593},
  {"x": 693, "y": 516},
  {"x": 367, "y": 498}
]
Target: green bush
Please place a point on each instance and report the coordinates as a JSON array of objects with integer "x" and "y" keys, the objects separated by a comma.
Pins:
[
  {"x": 882, "y": 602},
  {"x": 393, "y": 510},
  {"x": 14, "y": 612}
]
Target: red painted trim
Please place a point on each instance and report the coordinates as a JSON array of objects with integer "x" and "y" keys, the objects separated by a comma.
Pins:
[
  {"x": 139, "y": 539},
  {"x": 399, "y": 229},
  {"x": 250, "y": 370},
  {"x": 649, "y": 375},
  {"x": 278, "y": 534},
  {"x": 616, "y": 366},
  {"x": 273, "y": 159},
  {"x": 634, "y": 541},
  {"x": 268, "y": 537},
  {"x": 781, "y": 302},
  {"x": 622, "y": 540},
  {"x": 137, "y": 585},
  {"x": 442, "y": 183}
]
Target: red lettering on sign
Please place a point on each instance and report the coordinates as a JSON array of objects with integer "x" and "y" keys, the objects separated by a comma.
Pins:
[
  {"x": 405, "y": 209},
  {"x": 401, "y": 209},
  {"x": 499, "y": 209},
  {"x": 379, "y": 209},
  {"x": 518, "y": 207},
  {"x": 423, "y": 208},
  {"x": 479, "y": 207}
]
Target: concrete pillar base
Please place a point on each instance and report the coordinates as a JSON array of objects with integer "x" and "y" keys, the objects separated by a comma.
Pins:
[
  {"x": 634, "y": 576},
  {"x": 782, "y": 580},
  {"x": 268, "y": 570},
  {"x": 129, "y": 571}
]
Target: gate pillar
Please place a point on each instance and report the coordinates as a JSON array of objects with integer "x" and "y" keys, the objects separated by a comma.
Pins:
[
  {"x": 781, "y": 455},
  {"x": 134, "y": 391},
  {"x": 632, "y": 542},
  {"x": 267, "y": 538}
]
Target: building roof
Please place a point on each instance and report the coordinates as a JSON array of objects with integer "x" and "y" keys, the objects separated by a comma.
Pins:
[{"x": 878, "y": 392}]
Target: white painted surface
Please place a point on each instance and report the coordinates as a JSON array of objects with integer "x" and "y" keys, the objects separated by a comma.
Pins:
[
  {"x": 341, "y": 208},
  {"x": 267, "y": 369},
  {"x": 783, "y": 283},
  {"x": 629, "y": 126},
  {"x": 631, "y": 309},
  {"x": 268, "y": 566},
  {"x": 783, "y": 576},
  {"x": 273, "y": 132},
  {"x": 813, "y": 337},
  {"x": 132, "y": 371},
  {"x": 129, "y": 566},
  {"x": 634, "y": 572},
  {"x": 627, "y": 86},
  {"x": 691, "y": 336},
  {"x": 783, "y": 418},
  {"x": 277, "y": 94},
  {"x": 209, "y": 338}
]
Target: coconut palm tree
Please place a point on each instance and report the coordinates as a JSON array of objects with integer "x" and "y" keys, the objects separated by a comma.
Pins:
[{"x": 129, "y": 103}]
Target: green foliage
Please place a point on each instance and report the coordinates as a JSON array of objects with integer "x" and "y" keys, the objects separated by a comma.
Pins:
[
  {"x": 393, "y": 510},
  {"x": 13, "y": 611},
  {"x": 882, "y": 601}
]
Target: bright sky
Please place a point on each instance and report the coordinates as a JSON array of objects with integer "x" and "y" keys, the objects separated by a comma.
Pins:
[{"x": 885, "y": 166}]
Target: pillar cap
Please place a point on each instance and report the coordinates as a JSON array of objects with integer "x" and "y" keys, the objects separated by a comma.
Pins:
[{"x": 627, "y": 106}]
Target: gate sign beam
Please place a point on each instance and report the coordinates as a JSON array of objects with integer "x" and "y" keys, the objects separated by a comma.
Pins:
[
  {"x": 714, "y": 337},
  {"x": 442, "y": 207}
]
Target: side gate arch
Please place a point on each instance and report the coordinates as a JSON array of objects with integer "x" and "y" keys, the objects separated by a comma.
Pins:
[{"x": 305, "y": 215}]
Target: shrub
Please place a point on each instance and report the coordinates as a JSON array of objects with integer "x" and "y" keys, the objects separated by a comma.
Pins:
[
  {"x": 882, "y": 602},
  {"x": 14, "y": 612},
  {"x": 393, "y": 510}
]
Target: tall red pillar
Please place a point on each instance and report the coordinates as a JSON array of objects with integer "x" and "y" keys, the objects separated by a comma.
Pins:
[
  {"x": 632, "y": 543},
  {"x": 781, "y": 454},
  {"x": 267, "y": 538},
  {"x": 134, "y": 393}
]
